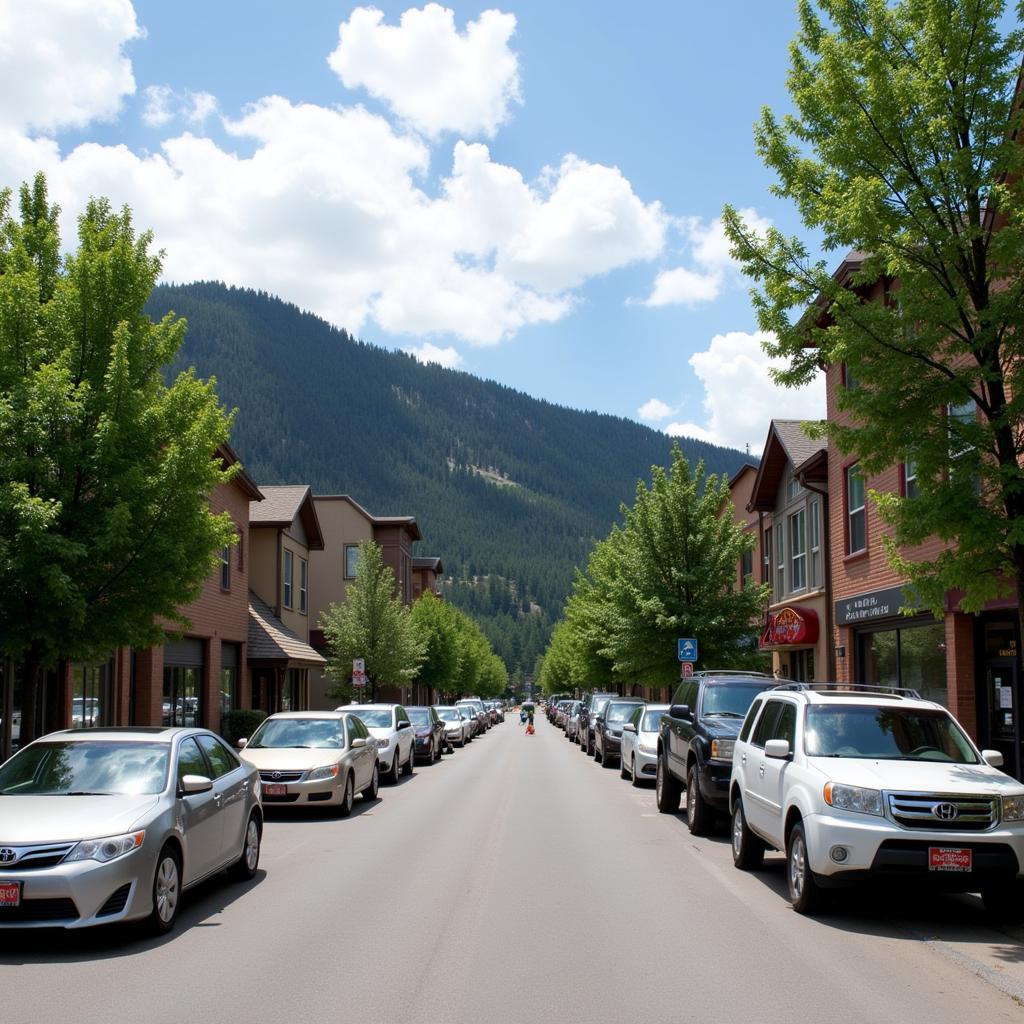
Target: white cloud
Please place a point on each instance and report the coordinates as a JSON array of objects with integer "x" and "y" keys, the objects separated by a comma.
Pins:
[
  {"x": 654, "y": 410},
  {"x": 432, "y": 76},
  {"x": 199, "y": 106},
  {"x": 427, "y": 353},
  {"x": 62, "y": 62},
  {"x": 740, "y": 398},
  {"x": 709, "y": 249},
  {"x": 159, "y": 99}
]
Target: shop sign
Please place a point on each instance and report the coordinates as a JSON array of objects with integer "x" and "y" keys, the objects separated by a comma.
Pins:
[
  {"x": 791, "y": 627},
  {"x": 878, "y": 604}
]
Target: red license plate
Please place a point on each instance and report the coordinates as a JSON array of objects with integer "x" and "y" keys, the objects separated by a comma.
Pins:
[
  {"x": 274, "y": 789},
  {"x": 949, "y": 858},
  {"x": 10, "y": 894}
]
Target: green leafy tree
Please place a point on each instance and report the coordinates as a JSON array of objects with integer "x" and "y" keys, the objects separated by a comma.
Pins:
[
  {"x": 371, "y": 624},
  {"x": 668, "y": 571},
  {"x": 105, "y": 469},
  {"x": 904, "y": 145},
  {"x": 436, "y": 623}
]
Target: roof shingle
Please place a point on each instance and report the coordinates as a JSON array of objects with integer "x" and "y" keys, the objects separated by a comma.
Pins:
[{"x": 271, "y": 640}]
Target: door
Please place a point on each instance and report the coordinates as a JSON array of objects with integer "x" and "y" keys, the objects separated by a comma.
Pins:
[
  {"x": 231, "y": 784},
  {"x": 767, "y": 784},
  {"x": 364, "y": 758},
  {"x": 1001, "y": 697},
  {"x": 680, "y": 731},
  {"x": 202, "y": 822},
  {"x": 757, "y": 808}
]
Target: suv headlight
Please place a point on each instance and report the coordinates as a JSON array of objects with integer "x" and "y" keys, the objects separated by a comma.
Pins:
[
  {"x": 106, "y": 849},
  {"x": 329, "y": 771},
  {"x": 1013, "y": 808},
  {"x": 721, "y": 750},
  {"x": 853, "y": 798}
]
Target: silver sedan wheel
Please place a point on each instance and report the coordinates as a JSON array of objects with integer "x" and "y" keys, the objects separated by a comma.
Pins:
[
  {"x": 167, "y": 888},
  {"x": 252, "y": 845}
]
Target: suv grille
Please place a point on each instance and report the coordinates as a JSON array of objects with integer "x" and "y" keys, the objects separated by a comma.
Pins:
[
  {"x": 939, "y": 812},
  {"x": 281, "y": 776}
]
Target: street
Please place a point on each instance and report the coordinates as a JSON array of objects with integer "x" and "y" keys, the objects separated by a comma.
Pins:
[{"x": 518, "y": 881}]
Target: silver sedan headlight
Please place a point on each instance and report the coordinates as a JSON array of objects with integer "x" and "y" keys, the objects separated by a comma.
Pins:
[
  {"x": 646, "y": 748},
  {"x": 107, "y": 849},
  {"x": 329, "y": 771}
]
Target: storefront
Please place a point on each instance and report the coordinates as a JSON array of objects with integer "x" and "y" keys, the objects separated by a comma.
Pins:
[
  {"x": 184, "y": 661},
  {"x": 997, "y": 686},
  {"x": 794, "y": 636}
]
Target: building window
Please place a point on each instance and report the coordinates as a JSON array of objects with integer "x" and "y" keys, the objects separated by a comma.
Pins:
[
  {"x": 961, "y": 421},
  {"x": 746, "y": 566},
  {"x": 780, "y": 565},
  {"x": 850, "y": 382},
  {"x": 181, "y": 695},
  {"x": 229, "y": 659},
  {"x": 90, "y": 695},
  {"x": 351, "y": 561},
  {"x": 798, "y": 549},
  {"x": 288, "y": 578},
  {"x": 792, "y": 488},
  {"x": 910, "y": 479},
  {"x": 225, "y": 567},
  {"x": 766, "y": 561},
  {"x": 856, "y": 519},
  {"x": 303, "y": 584},
  {"x": 914, "y": 657},
  {"x": 815, "y": 543}
]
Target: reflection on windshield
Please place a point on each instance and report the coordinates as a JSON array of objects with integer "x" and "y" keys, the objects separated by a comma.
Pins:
[
  {"x": 448, "y": 714},
  {"x": 888, "y": 734},
  {"x": 733, "y": 699},
  {"x": 95, "y": 768},
  {"x": 621, "y": 712},
  {"x": 418, "y": 716},
  {"x": 651, "y": 721},
  {"x": 379, "y": 719},
  {"x": 299, "y": 732}
]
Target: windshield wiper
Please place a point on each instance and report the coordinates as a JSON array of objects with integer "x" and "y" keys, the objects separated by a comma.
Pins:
[
  {"x": 85, "y": 792},
  {"x": 722, "y": 714}
]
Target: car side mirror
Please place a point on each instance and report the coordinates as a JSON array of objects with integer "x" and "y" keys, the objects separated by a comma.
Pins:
[
  {"x": 993, "y": 758},
  {"x": 192, "y": 784},
  {"x": 403, "y": 725},
  {"x": 679, "y": 711},
  {"x": 629, "y": 727},
  {"x": 778, "y": 749},
  {"x": 242, "y": 743},
  {"x": 358, "y": 743}
]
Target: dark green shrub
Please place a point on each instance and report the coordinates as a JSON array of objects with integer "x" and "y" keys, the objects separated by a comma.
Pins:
[{"x": 240, "y": 722}]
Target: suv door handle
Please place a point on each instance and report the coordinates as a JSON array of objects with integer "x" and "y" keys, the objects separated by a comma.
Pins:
[
  {"x": 743, "y": 759},
  {"x": 761, "y": 771}
]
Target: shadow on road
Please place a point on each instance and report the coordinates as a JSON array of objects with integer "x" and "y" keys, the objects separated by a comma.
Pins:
[{"x": 199, "y": 909}]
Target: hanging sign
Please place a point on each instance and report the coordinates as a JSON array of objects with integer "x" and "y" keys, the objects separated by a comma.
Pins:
[{"x": 790, "y": 627}]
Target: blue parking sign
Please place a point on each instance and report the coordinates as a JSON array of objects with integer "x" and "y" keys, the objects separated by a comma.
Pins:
[{"x": 687, "y": 648}]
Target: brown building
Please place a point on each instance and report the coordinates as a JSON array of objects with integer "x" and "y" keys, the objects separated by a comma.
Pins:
[{"x": 425, "y": 573}]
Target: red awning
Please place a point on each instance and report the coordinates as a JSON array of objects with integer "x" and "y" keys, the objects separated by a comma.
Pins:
[{"x": 791, "y": 627}]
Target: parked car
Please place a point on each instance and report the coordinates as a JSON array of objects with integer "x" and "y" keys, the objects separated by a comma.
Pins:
[
  {"x": 430, "y": 739},
  {"x": 552, "y": 703},
  {"x": 853, "y": 784},
  {"x": 638, "y": 758},
  {"x": 695, "y": 745},
  {"x": 608, "y": 728},
  {"x": 314, "y": 757},
  {"x": 477, "y": 708},
  {"x": 572, "y": 722},
  {"x": 143, "y": 815},
  {"x": 458, "y": 727},
  {"x": 592, "y": 706},
  {"x": 389, "y": 725}
]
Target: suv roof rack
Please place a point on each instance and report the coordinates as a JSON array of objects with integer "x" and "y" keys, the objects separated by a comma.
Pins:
[
  {"x": 732, "y": 672},
  {"x": 899, "y": 692}
]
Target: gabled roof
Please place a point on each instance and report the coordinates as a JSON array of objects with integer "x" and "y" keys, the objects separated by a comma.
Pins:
[
  {"x": 747, "y": 467},
  {"x": 270, "y": 640},
  {"x": 229, "y": 457},
  {"x": 281, "y": 506},
  {"x": 409, "y": 522},
  {"x": 425, "y": 562},
  {"x": 787, "y": 444}
]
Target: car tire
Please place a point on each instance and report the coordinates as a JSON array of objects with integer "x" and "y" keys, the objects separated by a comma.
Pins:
[
  {"x": 408, "y": 769},
  {"x": 166, "y": 892},
  {"x": 623, "y": 770},
  {"x": 1004, "y": 902},
  {"x": 747, "y": 849},
  {"x": 667, "y": 790},
  {"x": 804, "y": 892},
  {"x": 633, "y": 777},
  {"x": 699, "y": 816},
  {"x": 396, "y": 769},
  {"x": 244, "y": 869},
  {"x": 348, "y": 798},
  {"x": 370, "y": 793}
]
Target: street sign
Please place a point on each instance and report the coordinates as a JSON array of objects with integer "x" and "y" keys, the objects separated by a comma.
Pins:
[
  {"x": 687, "y": 647},
  {"x": 687, "y": 669},
  {"x": 359, "y": 680},
  {"x": 358, "y": 667}
]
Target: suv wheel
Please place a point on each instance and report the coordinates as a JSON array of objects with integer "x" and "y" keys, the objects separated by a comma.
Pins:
[
  {"x": 804, "y": 892},
  {"x": 698, "y": 815},
  {"x": 667, "y": 790},
  {"x": 747, "y": 849}
]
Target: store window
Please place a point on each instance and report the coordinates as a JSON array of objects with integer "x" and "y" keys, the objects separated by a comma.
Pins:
[
  {"x": 913, "y": 656},
  {"x": 90, "y": 694},
  {"x": 856, "y": 514},
  {"x": 228, "y": 677},
  {"x": 181, "y": 695}
]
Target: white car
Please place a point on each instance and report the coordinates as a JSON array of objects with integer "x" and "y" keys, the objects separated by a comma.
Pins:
[
  {"x": 639, "y": 744},
  {"x": 859, "y": 783},
  {"x": 389, "y": 725},
  {"x": 314, "y": 757},
  {"x": 458, "y": 728}
]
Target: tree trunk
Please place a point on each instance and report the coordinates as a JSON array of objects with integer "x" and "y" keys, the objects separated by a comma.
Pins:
[{"x": 31, "y": 673}]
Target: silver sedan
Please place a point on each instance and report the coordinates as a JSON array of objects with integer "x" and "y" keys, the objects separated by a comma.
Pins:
[
  {"x": 639, "y": 744},
  {"x": 98, "y": 826}
]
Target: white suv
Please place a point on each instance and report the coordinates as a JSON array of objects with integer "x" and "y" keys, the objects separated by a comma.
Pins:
[{"x": 859, "y": 782}]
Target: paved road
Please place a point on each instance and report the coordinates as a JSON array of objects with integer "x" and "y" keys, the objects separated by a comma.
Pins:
[{"x": 437, "y": 904}]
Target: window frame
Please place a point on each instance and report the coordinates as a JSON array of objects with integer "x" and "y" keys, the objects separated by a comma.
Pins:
[
  {"x": 288, "y": 579},
  {"x": 766, "y": 556},
  {"x": 849, "y": 473},
  {"x": 798, "y": 558},
  {"x": 303, "y": 586},
  {"x": 225, "y": 569},
  {"x": 814, "y": 580},
  {"x": 350, "y": 550},
  {"x": 779, "y": 582}
]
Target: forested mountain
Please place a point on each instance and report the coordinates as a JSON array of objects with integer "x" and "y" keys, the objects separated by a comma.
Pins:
[{"x": 511, "y": 492}]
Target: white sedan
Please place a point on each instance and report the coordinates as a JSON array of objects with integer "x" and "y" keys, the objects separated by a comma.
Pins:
[
  {"x": 389, "y": 725},
  {"x": 639, "y": 761},
  {"x": 458, "y": 727}
]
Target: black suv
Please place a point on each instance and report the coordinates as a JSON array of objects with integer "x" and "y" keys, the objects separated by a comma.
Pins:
[
  {"x": 593, "y": 704},
  {"x": 608, "y": 725},
  {"x": 695, "y": 744}
]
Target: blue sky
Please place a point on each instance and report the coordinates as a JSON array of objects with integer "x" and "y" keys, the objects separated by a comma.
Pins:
[{"x": 614, "y": 134}]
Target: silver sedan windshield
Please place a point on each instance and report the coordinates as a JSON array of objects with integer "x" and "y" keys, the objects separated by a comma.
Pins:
[{"x": 86, "y": 767}]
